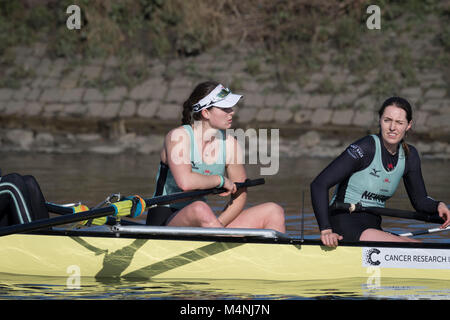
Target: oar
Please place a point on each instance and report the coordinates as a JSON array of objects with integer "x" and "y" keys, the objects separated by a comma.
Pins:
[
  {"x": 423, "y": 231},
  {"x": 183, "y": 196},
  {"x": 105, "y": 211},
  {"x": 355, "y": 208}
]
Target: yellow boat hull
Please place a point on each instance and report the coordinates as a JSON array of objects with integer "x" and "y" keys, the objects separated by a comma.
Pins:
[{"x": 152, "y": 258}]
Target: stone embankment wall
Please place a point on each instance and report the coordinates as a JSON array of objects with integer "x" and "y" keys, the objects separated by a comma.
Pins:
[{"x": 62, "y": 106}]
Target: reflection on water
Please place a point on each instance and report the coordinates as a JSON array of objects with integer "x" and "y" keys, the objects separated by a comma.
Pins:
[
  {"x": 355, "y": 288},
  {"x": 91, "y": 178}
]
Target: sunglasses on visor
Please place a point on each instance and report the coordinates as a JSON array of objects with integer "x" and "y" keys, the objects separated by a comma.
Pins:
[{"x": 217, "y": 98}]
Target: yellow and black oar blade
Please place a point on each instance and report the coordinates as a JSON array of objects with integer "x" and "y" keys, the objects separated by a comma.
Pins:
[{"x": 131, "y": 207}]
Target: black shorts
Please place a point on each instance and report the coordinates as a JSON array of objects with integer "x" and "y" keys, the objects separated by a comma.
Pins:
[
  {"x": 351, "y": 226},
  {"x": 160, "y": 216}
]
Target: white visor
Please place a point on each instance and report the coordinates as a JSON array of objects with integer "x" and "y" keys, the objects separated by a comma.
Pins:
[{"x": 220, "y": 97}]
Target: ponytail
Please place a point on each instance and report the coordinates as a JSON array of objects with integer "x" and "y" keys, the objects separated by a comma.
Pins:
[
  {"x": 187, "y": 113},
  {"x": 405, "y": 148}
]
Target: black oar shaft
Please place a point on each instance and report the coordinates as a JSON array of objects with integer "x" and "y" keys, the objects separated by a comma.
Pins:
[
  {"x": 174, "y": 197},
  {"x": 387, "y": 212},
  {"x": 405, "y": 214},
  {"x": 47, "y": 223}
]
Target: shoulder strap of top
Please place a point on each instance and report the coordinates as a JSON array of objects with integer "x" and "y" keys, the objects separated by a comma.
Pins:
[
  {"x": 224, "y": 146},
  {"x": 375, "y": 137},
  {"x": 194, "y": 154},
  {"x": 377, "y": 146},
  {"x": 401, "y": 152},
  {"x": 162, "y": 177}
]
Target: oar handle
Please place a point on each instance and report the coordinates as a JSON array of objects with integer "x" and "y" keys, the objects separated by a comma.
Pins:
[{"x": 239, "y": 185}]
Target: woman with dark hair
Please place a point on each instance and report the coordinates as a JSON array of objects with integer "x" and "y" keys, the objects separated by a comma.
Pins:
[
  {"x": 200, "y": 155},
  {"x": 368, "y": 172}
]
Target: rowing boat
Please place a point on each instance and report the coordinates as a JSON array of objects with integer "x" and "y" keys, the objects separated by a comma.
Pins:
[
  {"x": 141, "y": 252},
  {"x": 136, "y": 251}
]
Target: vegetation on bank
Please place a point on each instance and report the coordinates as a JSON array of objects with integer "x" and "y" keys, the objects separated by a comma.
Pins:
[{"x": 297, "y": 36}]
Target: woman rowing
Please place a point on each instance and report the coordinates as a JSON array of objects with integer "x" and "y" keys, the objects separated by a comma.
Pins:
[
  {"x": 200, "y": 155},
  {"x": 21, "y": 200},
  {"x": 368, "y": 172}
]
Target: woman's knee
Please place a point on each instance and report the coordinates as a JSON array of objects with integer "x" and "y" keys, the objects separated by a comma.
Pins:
[
  {"x": 379, "y": 235},
  {"x": 275, "y": 210},
  {"x": 369, "y": 235},
  {"x": 199, "y": 207},
  {"x": 203, "y": 214}
]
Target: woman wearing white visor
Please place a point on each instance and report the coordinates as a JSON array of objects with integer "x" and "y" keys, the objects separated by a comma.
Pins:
[{"x": 200, "y": 155}]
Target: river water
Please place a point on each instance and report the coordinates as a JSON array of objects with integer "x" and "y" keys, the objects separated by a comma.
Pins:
[{"x": 66, "y": 178}]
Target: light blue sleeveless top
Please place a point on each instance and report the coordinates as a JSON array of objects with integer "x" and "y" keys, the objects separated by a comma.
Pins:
[
  {"x": 374, "y": 185},
  {"x": 165, "y": 182}
]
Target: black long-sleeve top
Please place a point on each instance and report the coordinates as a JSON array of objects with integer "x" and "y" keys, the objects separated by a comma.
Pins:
[{"x": 358, "y": 156}]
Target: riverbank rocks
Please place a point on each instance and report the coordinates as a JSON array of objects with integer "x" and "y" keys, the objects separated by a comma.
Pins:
[
  {"x": 309, "y": 139},
  {"x": 23, "y": 139},
  {"x": 69, "y": 105},
  {"x": 19, "y": 140},
  {"x": 310, "y": 144}
]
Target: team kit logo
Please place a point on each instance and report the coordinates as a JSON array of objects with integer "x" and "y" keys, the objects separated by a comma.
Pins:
[
  {"x": 367, "y": 195},
  {"x": 374, "y": 196},
  {"x": 375, "y": 172}
]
